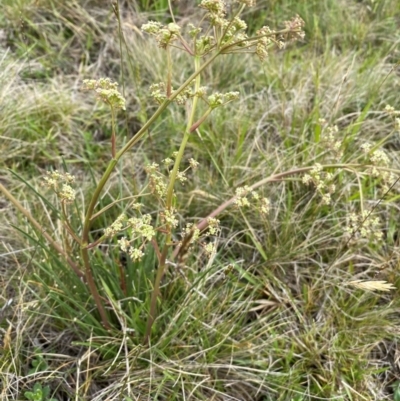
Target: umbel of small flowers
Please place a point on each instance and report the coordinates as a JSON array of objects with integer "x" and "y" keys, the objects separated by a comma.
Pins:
[
  {"x": 363, "y": 226},
  {"x": 106, "y": 91},
  {"x": 192, "y": 235},
  {"x": 60, "y": 183},
  {"x": 246, "y": 197},
  {"x": 331, "y": 140},
  {"x": 229, "y": 35},
  {"x": 140, "y": 229},
  {"x": 137, "y": 228},
  {"x": 322, "y": 181},
  {"x": 159, "y": 93},
  {"x": 378, "y": 158}
]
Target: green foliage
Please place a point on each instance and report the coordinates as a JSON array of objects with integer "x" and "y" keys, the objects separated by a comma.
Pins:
[{"x": 39, "y": 393}]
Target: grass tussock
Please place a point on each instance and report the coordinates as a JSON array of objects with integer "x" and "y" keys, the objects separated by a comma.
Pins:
[{"x": 293, "y": 305}]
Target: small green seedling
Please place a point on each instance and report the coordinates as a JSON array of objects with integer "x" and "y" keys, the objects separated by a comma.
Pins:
[
  {"x": 39, "y": 364},
  {"x": 39, "y": 393}
]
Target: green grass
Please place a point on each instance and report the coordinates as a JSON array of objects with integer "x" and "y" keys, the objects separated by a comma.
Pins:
[{"x": 269, "y": 318}]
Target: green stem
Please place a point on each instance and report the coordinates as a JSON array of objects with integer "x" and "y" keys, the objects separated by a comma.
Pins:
[
  {"x": 178, "y": 159},
  {"x": 113, "y": 135},
  {"x": 169, "y": 203}
]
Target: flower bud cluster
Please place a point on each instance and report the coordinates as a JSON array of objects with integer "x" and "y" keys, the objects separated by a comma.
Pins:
[
  {"x": 106, "y": 91},
  {"x": 204, "y": 44},
  {"x": 164, "y": 35},
  {"x": 228, "y": 34},
  {"x": 322, "y": 181},
  {"x": 115, "y": 227},
  {"x": 137, "y": 228},
  {"x": 158, "y": 92},
  {"x": 168, "y": 216},
  {"x": 216, "y": 11},
  {"x": 213, "y": 226},
  {"x": 267, "y": 39},
  {"x": 210, "y": 249},
  {"x": 331, "y": 141},
  {"x": 191, "y": 232},
  {"x": 192, "y": 235},
  {"x": 213, "y": 229},
  {"x": 391, "y": 111},
  {"x": 295, "y": 27},
  {"x": 141, "y": 226},
  {"x": 363, "y": 226},
  {"x": 218, "y": 99},
  {"x": 193, "y": 30},
  {"x": 263, "y": 205},
  {"x": 60, "y": 183},
  {"x": 181, "y": 175},
  {"x": 378, "y": 158},
  {"x": 234, "y": 32},
  {"x": 156, "y": 180}
]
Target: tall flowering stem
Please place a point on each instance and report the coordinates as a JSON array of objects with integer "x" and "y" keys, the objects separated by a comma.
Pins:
[
  {"x": 110, "y": 168},
  {"x": 169, "y": 204}
]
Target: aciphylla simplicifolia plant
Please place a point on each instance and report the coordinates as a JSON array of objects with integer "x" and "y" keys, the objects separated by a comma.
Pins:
[{"x": 215, "y": 36}]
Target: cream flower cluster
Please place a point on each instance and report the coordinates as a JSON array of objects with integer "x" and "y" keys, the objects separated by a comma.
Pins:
[
  {"x": 246, "y": 197},
  {"x": 106, "y": 91},
  {"x": 229, "y": 35},
  {"x": 322, "y": 181},
  {"x": 137, "y": 228},
  {"x": 363, "y": 226},
  {"x": 191, "y": 235},
  {"x": 60, "y": 183},
  {"x": 378, "y": 159},
  {"x": 330, "y": 138}
]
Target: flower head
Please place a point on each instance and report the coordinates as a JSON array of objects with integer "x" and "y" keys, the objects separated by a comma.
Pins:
[
  {"x": 60, "y": 183},
  {"x": 169, "y": 217},
  {"x": 164, "y": 34},
  {"x": 295, "y": 27},
  {"x": 106, "y": 91},
  {"x": 115, "y": 227}
]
